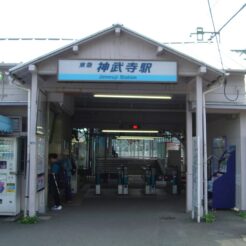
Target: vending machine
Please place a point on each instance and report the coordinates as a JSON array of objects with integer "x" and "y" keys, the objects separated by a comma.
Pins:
[{"x": 9, "y": 176}]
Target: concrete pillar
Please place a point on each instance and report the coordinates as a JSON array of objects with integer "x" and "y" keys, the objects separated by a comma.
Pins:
[
  {"x": 33, "y": 142},
  {"x": 188, "y": 158},
  {"x": 199, "y": 134}
]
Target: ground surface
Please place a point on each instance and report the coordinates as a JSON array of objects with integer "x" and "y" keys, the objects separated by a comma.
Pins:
[{"x": 134, "y": 220}]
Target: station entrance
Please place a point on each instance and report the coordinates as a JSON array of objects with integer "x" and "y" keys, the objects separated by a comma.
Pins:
[
  {"x": 132, "y": 113},
  {"x": 127, "y": 147}
]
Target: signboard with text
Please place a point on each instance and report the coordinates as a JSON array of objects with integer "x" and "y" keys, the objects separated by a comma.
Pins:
[{"x": 117, "y": 70}]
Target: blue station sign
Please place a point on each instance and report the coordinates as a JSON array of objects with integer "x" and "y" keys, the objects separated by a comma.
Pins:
[{"x": 117, "y": 70}]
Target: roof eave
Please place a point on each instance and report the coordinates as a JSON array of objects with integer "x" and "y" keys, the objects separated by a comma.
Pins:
[
  {"x": 60, "y": 50},
  {"x": 241, "y": 71},
  {"x": 22, "y": 66},
  {"x": 175, "y": 52}
]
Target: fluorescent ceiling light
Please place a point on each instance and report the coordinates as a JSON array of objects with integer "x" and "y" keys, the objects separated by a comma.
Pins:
[
  {"x": 130, "y": 131},
  {"x": 132, "y": 96},
  {"x": 134, "y": 138},
  {"x": 40, "y": 132}
]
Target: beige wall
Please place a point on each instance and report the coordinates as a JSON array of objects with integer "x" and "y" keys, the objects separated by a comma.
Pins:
[
  {"x": 9, "y": 93},
  {"x": 235, "y": 82}
]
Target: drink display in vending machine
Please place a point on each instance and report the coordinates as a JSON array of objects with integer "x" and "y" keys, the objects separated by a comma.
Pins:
[{"x": 9, "y": 179}]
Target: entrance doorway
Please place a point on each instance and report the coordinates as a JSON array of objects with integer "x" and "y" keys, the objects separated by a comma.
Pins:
[{"x": 127, "y": 147}]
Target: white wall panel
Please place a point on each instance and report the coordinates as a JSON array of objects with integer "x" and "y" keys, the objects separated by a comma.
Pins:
[{"x": 228, "y": 126}]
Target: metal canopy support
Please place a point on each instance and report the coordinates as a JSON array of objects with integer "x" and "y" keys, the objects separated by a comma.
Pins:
[
  {"x": 188, "y": 157},
  {"x": 205, "y": 159},
  {"x": 199, "y": 135},
  {"x": 28, "y": 154},
  {"x": 32, "y": 142},
  {"x": 241, "y": 170}
]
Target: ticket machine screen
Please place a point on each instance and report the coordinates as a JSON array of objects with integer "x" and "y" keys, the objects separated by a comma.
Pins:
[{"x": 3, "y": 164}]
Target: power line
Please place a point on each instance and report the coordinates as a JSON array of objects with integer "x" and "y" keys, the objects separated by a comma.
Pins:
[
  {"x": 200, "y": 33},
  {"x": 36, "y": 39},
  {"x": 218, "y": 47},
  {"x": 216, "y": 37},
  {"x": 214, "y": 34}
]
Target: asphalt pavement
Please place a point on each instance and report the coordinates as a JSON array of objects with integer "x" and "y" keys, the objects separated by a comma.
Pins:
[{"x": 131, "y": 220}]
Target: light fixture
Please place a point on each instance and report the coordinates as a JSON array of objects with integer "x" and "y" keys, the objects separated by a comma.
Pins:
[
  {"x": 132, "y": 96},
  {"x": 40, "y": 130},
  {"x": 134, "y": 138},
  {"x": 129, "y": 131},
  {"x": 135, "y": 126}
]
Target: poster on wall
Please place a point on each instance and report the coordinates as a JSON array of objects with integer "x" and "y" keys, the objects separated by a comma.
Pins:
[
  {"x": 11, "y": 187},
  {"x": 41, "y": 113},
  {"x": 40, "y": 154},
  {"x": 3, "y": 180},
  {"x": 219, "y": 147},
  {"x": 40, "y": 182},
  {"x": 172, "y": 146},
  {"x": 196, "y": 201}
]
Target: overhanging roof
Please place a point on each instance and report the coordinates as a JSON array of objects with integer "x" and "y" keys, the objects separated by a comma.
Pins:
[
  {"x": 22, "y": 67},
  {"x": 7, "y": 65}
]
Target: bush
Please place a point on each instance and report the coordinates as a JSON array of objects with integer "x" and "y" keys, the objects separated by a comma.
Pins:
[
  {"x": 29, "y": 220},
  {"x": 209, "y": 217},
  {"x": 242, "y": 214}
]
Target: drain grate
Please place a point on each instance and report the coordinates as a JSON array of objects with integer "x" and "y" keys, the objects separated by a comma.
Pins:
[
  {"x": 167, "y": 218},
  {"x": 44, "y": 217}
]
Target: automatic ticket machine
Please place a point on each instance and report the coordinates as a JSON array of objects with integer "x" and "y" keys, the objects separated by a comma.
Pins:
[{"x": 9, "y": 178}]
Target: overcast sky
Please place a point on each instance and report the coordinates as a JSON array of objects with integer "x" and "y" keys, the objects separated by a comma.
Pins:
[{"x": 161, "y": 20}]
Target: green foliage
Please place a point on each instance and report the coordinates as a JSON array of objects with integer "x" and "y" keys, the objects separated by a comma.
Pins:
[
  {"x": 242, "y": 214},
  {"x": 29, "y": 220},
  {"x": 209, "y": 217}
]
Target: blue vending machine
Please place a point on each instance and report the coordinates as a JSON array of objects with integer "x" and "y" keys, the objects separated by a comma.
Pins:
[{"x": 221, "y": 188}]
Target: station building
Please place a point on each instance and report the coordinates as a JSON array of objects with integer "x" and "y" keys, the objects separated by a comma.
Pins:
[{"x": 119, "y": 83}]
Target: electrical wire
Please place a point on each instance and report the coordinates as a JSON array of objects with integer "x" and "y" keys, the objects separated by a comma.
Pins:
[
  {"x": 216, "y": 37},
  {"x": 214, "y": 34},
  {"x": 36, "y": 39},
  {"x": 232, "y": 17},
  {"x": 221, "y": 60},
  {"x": 226, "y": 96}
]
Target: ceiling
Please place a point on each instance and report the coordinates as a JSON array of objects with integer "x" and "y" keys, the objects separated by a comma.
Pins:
[{"x": 122, "y": 113}]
